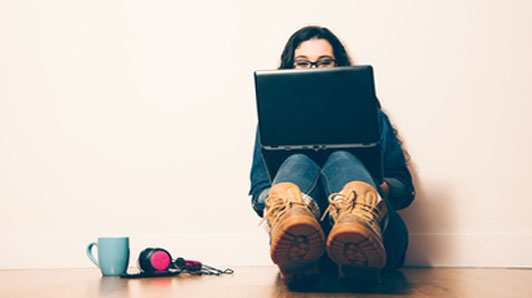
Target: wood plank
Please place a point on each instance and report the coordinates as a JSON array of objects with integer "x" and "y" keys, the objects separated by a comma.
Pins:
[{"x": 264, "y": 282}]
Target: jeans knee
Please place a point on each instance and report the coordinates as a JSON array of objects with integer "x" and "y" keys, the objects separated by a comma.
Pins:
[
  {"x": 342, "y": 155},
  {"x": 297, "y": 159}
]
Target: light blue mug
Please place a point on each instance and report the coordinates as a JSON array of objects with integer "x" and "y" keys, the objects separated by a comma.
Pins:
[{"x": 113, "y": 255}]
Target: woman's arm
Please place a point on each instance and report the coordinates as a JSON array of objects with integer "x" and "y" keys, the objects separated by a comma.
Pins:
[
  {"x": 397, "y": 177},
  {"x": 385, "y": 188},
  {"x": 260, "y": 183}
]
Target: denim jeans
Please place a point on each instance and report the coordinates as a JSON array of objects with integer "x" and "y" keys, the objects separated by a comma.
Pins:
[{"x": 341, "y": 168}]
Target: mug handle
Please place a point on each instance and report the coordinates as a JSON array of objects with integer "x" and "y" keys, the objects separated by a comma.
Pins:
[{"x": 89, "y": 254}]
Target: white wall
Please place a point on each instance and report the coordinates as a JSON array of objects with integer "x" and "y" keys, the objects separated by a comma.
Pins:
[{"x": 137, "y": 118}]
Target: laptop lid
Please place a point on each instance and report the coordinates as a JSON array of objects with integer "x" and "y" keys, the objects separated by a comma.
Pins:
[{"x": 315, "y": 108}]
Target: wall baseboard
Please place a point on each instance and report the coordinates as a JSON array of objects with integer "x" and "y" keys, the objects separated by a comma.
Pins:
[
  {"x": 437, "y": 250},
  {"x": 470, "y": 250}
]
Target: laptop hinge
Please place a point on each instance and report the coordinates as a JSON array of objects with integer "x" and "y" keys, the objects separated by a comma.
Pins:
[{"x": 318, "y": 147}]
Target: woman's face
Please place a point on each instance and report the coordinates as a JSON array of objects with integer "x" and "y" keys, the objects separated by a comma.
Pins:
[{"x": 314, "y": 52}]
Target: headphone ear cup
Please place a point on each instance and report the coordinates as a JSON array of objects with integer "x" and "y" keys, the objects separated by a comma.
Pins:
[
  {"x": 144, "y": 261},
  {"x": 154, "y": 260}
]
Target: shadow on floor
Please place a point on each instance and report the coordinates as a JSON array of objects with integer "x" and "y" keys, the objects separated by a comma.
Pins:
[{"x": 390, "y": 283}]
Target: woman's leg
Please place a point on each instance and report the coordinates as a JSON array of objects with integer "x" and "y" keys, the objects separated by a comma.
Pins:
[
  {"x": 343, "y": 167},
  {"x": 297, "y": 240},
  {"x": 300, "y": 170}
]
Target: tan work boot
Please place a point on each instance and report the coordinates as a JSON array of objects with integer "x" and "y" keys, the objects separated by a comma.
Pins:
[
  {"x": 355, "y": 241},
  {"x": 297, "y": 240}
]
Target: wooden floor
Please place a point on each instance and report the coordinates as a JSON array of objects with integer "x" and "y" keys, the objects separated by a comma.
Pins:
[{"x": 264, "y": 282}]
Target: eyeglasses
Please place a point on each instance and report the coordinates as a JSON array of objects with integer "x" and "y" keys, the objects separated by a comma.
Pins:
[{"x": 319, "y": 64}]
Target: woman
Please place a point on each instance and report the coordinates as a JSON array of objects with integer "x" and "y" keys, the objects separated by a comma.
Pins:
[{"x": 367, "y": 235}]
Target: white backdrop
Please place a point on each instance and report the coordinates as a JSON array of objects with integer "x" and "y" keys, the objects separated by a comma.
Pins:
[{"x": 137, "y": 118}]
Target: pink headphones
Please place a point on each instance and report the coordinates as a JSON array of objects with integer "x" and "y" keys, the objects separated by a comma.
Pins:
[{"x": 157, "y": 262}]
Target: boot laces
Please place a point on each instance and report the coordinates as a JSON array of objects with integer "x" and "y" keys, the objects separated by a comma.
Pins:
[
  {"x": 340, "y": 204},
  {"x": 276, "y": 207}
]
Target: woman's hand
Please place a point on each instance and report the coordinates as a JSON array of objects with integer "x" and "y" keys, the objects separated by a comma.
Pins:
[{"x": 385, "y": 188}]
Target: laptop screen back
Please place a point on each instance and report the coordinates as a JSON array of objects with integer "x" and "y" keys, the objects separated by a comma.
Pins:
[{"x": 317, "y": 106}]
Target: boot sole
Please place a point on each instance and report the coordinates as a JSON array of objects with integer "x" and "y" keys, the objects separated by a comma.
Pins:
[
  {"x": 299, "y": 245},
  {"x": 355, "y": 247}
]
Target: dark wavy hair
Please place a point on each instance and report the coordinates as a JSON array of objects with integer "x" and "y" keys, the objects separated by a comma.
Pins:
[
  {"x": 340, "y": 55},
  {"x": 311, "y": 32}
]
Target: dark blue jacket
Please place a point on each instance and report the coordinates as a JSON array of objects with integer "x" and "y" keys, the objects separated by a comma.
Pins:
[{"x": 396, "y": 174}]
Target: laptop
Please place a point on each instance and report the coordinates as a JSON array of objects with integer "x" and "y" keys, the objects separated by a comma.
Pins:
[{"x": 317, "y": 112}]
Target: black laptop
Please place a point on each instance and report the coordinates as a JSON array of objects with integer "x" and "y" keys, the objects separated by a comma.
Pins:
[{"x": 316, "y": 112}]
